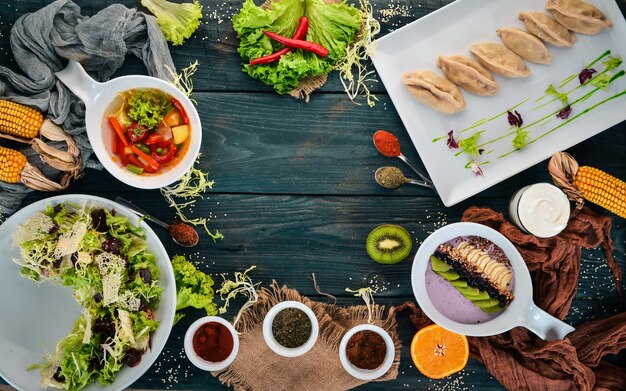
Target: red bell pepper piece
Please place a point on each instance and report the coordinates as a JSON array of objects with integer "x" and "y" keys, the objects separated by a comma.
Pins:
[
  {"x": 114, "y": 142},
  {"x": 168, "y": 156},
  {"x": 121, "y": 151},
  {"x": 153, "y": 139},
  {"x": 164, "y": 143},
  {"x": 136, "y": 133},
  {"x": 152, "y": 163},
  {"x": 180, "y": 108}
]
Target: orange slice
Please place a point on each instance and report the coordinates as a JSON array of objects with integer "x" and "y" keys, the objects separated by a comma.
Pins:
[{"x": 438, "y": 353}]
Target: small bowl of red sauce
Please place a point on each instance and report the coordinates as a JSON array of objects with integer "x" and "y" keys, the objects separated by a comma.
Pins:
[{"x": 211, "y": 343}]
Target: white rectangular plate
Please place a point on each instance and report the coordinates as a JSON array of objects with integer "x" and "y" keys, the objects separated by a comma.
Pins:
[{"x": 451, "y": 30}]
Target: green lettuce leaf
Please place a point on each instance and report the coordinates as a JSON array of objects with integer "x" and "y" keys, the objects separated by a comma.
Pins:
[{"x": 177, "y": 21}]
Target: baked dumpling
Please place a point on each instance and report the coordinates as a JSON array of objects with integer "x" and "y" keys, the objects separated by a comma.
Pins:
[
  {"x": 468, "y": 74},
  {"x": 544, "y": 27},
  {"x": 579, "y": 16},
  {"x": 499, "y": 59},
  {"x": 435, "y": 91},
  {"x": 525, "y": 45}
]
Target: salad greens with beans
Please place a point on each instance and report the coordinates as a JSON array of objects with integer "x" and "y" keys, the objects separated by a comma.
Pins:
[{"x": 115, "y": 278}]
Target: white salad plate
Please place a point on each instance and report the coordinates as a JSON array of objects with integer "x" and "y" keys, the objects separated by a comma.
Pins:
[
  {"x": 35, "y": 317},
  {"x": 452, "y": 30}
]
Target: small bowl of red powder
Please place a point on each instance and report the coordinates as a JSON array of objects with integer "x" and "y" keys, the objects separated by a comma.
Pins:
[
  {"x": 366, "y": 352},
  {"x": 211, "y": 343}
]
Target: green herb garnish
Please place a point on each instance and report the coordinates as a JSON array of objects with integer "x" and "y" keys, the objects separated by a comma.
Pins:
[
  {"x": 612, "y": 63},
  {"x": 470, "y": 145},
  {"x": 521, "y": 139},
  {"x": 553, "y": 91}
]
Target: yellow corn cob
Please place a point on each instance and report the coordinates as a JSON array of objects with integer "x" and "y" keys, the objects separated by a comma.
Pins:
[
  {"x": 11, "y": 165},
  {"x": 603, "y": 189},
  {"x": 19, "y": 121}
]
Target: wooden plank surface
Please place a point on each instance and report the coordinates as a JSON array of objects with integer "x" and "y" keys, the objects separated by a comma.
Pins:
[
  {"x": 327, "y": 144},
  {"x": 295, "y": 192}
]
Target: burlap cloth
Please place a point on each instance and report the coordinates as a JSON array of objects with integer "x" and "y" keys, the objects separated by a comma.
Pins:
[
  {"x": 259, "y": 368},
  {"x": 521, "y": 361}
]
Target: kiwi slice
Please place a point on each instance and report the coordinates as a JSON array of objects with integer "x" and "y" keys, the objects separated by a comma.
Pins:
[
  {"x": 469, "y": 291},
  {"x": 449, "y": 276},
  {"x": 481, "y": 296},
  {"x": 485, "y": 303},
  {"x": 493, "y": 309},
  {"x": 438, "y": 265},
  {"x": 388, "y": 244},
  {"x": 459, "y": 283}
]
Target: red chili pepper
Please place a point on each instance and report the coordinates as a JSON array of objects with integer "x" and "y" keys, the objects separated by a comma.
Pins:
[
  {"x": 121, "y": 150},
  {"x": 301, "y": 30},
  {"x": 153, "y": 139},
  {"x": 298, "y": 44},
  {"x": 167, "y": 157},
  {"x": 180, "y": 108}
]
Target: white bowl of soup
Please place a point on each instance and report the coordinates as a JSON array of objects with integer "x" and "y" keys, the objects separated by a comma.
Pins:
[{"x": 144, "y": 130}]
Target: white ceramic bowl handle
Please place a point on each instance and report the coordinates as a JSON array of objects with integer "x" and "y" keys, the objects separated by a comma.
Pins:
[
  {"x": 544, "y": 325},
  {"x": 78, "y": 81}
]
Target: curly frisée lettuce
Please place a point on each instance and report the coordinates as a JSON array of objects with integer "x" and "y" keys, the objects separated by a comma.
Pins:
[
  {"x": 333, "y": 26},
  {"x": 114, "y": 277}
]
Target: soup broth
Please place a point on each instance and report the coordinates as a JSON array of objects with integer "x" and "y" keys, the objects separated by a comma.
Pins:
[{"x": 146, "y": 130}]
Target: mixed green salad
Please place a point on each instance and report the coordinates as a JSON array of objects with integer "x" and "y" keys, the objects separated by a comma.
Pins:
[{"x": 115, "y": 278}]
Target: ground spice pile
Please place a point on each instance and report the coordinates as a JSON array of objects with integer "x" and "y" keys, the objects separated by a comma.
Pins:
[{"x": 366, "y": 350}]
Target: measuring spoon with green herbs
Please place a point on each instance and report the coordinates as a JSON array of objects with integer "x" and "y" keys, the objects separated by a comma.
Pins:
[{"x": 392, "y": 178}]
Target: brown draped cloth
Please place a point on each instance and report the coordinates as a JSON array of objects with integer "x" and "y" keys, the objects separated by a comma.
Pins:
[{"x": 520, "y": 360}]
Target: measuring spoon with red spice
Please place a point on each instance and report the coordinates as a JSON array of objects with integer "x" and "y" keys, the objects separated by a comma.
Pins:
[
  {"x": 388, "y": 145},
  {"x": 182, "y": 234}
]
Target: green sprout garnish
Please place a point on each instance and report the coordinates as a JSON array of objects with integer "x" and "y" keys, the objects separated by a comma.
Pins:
[
  {"x": 183, "y": 80},
  {"x": 241, "y": 285},
  {"x": 367, "y": 294},
  {"x": 190, "y": 187}
]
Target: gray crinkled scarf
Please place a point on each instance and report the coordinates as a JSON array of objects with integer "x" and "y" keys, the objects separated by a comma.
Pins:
[{"x": 42, "y": 40}]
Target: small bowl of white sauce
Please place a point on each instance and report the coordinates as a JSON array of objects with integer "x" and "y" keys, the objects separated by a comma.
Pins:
[{"x": 542, "y": 210}]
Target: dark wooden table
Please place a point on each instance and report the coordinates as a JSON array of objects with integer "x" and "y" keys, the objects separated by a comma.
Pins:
[{"x": 295, "y": 192}]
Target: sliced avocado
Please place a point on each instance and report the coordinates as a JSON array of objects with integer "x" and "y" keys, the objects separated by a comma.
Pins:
[
  {"x": 485, "y": 303},
  {"x": 438, "y": 265},
  {"x": 459, "y": 283},
  {"x": 493, "y": 309}
]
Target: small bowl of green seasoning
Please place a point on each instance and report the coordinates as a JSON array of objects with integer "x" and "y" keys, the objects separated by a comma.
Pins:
[{"x": 290, "y": 329}]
